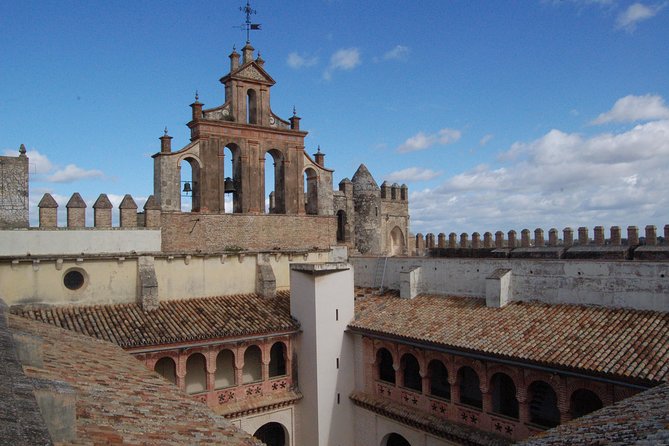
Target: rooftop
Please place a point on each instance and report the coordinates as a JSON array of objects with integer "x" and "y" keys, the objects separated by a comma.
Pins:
[
  {"x": 118, "y": 400},
  {"x": 641, "y": 419},
  {"x": 616, "y": 343},
  {"x": 174, "y": 321}
]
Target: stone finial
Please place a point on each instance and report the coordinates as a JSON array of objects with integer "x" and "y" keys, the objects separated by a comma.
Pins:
[
  {"x": 395, "y": 191},
  {"x": 196, "y": 112},
  {"x": 616, "y": 236},
  {"x": 76, "y": 212},
  {"x": 499, "y": 239},
  {"x": 582, "y": 235},
  {"x": 568, "y": 237},
  {"x": 404, "y": 192},
  {"x": 294, "y": 120},
  {"x": 539, "y": 238},
  {"x": 599, "y": 236},
  {"x": 487, "y": 240},
  {"x": 476, "y": 240},
  {"x": 48, "y": 212},
  {"x": 452, "y": 240},
  {"x": 259, "y": 60},
  {"x": 247, "y": 53},
  {"x": 525, "y": 238},
  {"x": 441, "y": 240},
  {"x": 22, "y": 150},
  {"x": 234, "y": 59},
  {"x": 464, "y": 240},
  {"x": 128, "y": 212},
  {"x": 319, "y": 157},
  {"x": 512, "y": 239},
  {"x": 651, "y": 235},
  {"x": 632, "y": 235},
  {"x": 552, "y": 237},
  {"x": 385, "y": 189},
  {"x": 102, "y": 212},
  {"x": 165, "y": 142}
]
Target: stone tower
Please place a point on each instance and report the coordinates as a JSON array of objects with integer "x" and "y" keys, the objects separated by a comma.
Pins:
[
  {"x": 246, "y": 129},
  {"x": 14, "y": 190},
  {"x": 367, "y": 207}
]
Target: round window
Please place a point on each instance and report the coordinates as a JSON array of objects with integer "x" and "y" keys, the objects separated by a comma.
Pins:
[{"x": 73, "y": 279}]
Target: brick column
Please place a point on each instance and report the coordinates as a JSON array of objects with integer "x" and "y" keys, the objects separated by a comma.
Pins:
[
  {"x": 512, "y": 239},
  {"x": 76, "y": 212},
  {"x": 539, "y": 238},
  {"x": 487, "y": 240},
  {"x": 632, "y": 235},
  {"x": 599, "y": 235},
  {"x": 651, "y": 235},
  {"x": 48, "y": 212},
  {"x": 525, "y": 238},
  {"x": 452, "y": 240},
  {"x": 615, "y": 236},
  {"x": 128, "y": 212},
  {"x": 476, "y": 240},
  {"x": 583, "y": 236},
  {"x": 102, "y": 210},
  {"x": 553, "y": 237},
  {"x": 499, "y": 240},
  {"x": 441, "y": 240},
  {"x": 568, "y": 237},
  {"x": 464, "y": 238}
]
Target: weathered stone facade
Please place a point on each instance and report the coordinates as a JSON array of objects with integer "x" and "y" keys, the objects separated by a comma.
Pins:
[{"x": 14, "y": 190}]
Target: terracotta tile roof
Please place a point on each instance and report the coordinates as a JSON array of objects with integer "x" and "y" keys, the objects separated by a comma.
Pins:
[
  {"x": 174, "y": 321},
  {"x": 617, "y": 342},
  {"x": 118, "y": 400},
  {"x": 458, "y": 433},
  {"x": 641, "y": 419}
]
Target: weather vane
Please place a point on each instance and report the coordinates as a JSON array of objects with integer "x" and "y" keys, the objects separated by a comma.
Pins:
[{"x": 248, "y": 26}]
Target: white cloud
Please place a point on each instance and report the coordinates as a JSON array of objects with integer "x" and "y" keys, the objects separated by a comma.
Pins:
[
  {"x": 422, "y": 141},
  {"x": 561, "y": 179},
  {"x": 486, "y": 139},
  {"x": 399, "y": 52},
  {"x": 635, "y": 108},
  {"x": 39, "y": 163},
  {"x": 635, "y": 13},
  {"x": 344, "y": 59},
  {"x": 73, "y": 173},
  {"x": 297, "y": 61},
  {"x": 413, "y": 174}
]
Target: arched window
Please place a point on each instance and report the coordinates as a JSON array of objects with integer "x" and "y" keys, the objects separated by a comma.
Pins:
[
  {"x": 274, "y": 183},
  {"x": 225, "y": 369},
  {"x": 272, "y": 434},
  {"x": 384, "y": 361},
  {"x": 470, "y": 391},
  {"x": 277, "y": 360},
  {"x": 252, "y": 371},
  {"x": 167, "y": 369},
  {"x": 251, "y": 107},
  {"x": 189, "y": 188},
  {"x": 341, "y": 226},
  {"x": 583, "y": 402},
  {"x": 504, "y": 395},
  {"x": 543, "y": 405},
  {"x": 196, "y": 374},
  {"x": 411, "y": 373},
  {"x": 439, "y": 385},
  {"x": 396, "y": 242},
  {"x": 310, "y": 191},
  {"x": 395, "y": 440}
]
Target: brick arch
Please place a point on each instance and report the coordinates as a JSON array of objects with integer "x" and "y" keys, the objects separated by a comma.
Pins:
[
  {"x": 152, "y": 359},
  {"x": 513, "y": 373},
  {"x": 599, "y": 389},
  {"x": 416, "y": 353},
  {"x": 478, "y": 366},
  {"x": 392, "y": 348}
]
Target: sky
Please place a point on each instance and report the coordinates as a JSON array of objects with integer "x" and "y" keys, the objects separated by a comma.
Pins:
[{"x": 498, "y": 115}]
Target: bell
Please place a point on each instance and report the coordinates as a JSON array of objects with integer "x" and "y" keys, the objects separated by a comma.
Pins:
[
  {"x": 187, "y": 188},
  {"x": 229, "y": 186}
]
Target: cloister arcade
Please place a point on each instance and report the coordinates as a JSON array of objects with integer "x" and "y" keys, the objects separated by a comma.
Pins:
[{"x": 509, "y": 400}]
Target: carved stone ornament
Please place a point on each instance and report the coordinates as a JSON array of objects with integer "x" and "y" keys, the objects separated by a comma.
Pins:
[{"x": 252, "y": 73}]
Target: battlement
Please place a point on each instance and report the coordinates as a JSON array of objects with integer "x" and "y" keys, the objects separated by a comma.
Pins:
[
  {"x": 536, "y": 245},
  {"x": 394, "y": 192},
  {"x": 102, "y": 213}
]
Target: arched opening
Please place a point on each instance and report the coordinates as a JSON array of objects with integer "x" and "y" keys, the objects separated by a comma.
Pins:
[
  {"x": 470, "y": 389},
  {"x": 543, "y": 405},
  {"x": 411, "y": 373},
  {"x": 395, "y": 440},
  {"x": 439, "y": 385},
  {"x": 189, "y": 185},
  {"x": 341, "y": 226},
  {"x": 251, "y": 107},
  {"x": 167, "y": 369},
  {"x": 396, "y": 242},
  {"x": 272, "y": 434},
  {"x": 504, "y": 395},
  {"x": 384, "y": 360},
  {"x": 225, "y": 369},
  {"x": 232, "y": 169},
  {"x": 310, "y": 191},
  {"x": 583, "y": 402},
  {"x": 196, "y": 373},
  {"x": 277, "y": 360},
  {"x": 273, "y": 181},
  {"x": 252, "y": 371}
]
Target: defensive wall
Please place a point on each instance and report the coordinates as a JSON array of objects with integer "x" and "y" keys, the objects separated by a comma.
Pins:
[{"x": 631, "y": 272}]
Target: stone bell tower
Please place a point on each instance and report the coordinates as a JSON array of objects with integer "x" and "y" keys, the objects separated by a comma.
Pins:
[{"x": 246, "y": 129}]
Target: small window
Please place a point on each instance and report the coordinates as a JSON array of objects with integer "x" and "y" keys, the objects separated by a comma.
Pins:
[{"x": 73, "y": 279}]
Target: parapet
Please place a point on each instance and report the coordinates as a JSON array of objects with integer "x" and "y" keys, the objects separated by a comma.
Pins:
[
  {"x": 534, "y": 244},
  {"x": 102, "y": 213}
]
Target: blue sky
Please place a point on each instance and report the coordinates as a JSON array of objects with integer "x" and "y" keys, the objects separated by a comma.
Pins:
[{"x": 498, "y": 115}]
